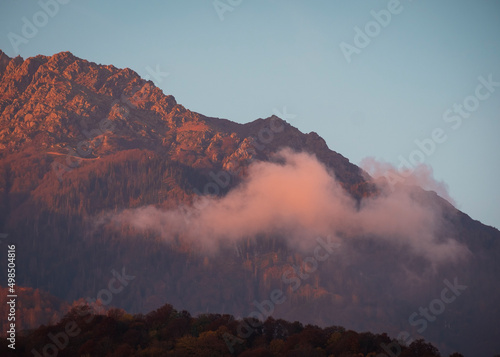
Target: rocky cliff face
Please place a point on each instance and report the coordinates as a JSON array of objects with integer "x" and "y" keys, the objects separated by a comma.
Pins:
[
  {"x": 55, "y": 103},
  {"x": 78, "y": 139}
]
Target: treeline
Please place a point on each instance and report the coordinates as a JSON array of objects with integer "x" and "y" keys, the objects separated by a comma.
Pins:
[
  {"x": 168, "y": 332},
  {"x": 33, "y": 307},
  {"x": 129, "y": 179}
]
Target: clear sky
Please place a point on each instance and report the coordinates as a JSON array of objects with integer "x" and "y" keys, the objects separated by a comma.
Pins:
[{"x": 372, "y": 95}]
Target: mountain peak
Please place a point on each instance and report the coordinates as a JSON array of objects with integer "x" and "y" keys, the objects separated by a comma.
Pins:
[
  {"x": 50, "y": 102},
  {"x": 4, "y": 61},
  {"x": 2, "y": 55},
  {"x": 64, "y": 54}
]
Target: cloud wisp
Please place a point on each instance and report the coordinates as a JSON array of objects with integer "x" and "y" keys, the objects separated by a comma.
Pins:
[{"x": 296, "y": 197}]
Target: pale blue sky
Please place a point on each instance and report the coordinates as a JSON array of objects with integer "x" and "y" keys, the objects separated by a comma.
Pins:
[{"x": 266, "y": 55}]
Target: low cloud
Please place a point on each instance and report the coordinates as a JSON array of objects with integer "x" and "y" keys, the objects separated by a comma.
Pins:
[
  {"x": 423, "y": 176},
  {"x": 297, "y": 197}
]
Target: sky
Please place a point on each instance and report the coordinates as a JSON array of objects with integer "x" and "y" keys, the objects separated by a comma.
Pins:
[{"x": 402, "y": 82}]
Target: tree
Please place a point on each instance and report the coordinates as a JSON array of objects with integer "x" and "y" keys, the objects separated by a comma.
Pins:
[{"x": 420, "y": 348}]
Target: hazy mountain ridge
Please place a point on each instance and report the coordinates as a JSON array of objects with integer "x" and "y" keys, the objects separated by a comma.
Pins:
[{"x": 153, "y": 151}]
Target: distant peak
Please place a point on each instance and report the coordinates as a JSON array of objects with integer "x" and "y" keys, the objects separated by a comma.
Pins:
[
  {"x": 63, "y": 57},
  {"x": 3, "y": 56},
  {"x": 277, "y": 118},
  {"x": 64, "y": 54}
]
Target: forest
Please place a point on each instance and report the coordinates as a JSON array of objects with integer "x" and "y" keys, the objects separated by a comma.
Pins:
[{"x": 86, "y": 330}]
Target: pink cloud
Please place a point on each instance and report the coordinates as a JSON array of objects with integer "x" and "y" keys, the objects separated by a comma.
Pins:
[{"x": 299, "y": 198}]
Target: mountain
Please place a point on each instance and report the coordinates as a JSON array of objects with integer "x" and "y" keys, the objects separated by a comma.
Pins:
[{"x": 99, "y": 174}]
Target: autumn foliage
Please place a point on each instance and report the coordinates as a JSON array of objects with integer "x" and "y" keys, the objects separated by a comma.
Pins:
[{"x": 168, "y": 332}]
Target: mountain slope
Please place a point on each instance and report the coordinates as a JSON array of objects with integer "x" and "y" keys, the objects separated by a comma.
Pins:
[{"x": 80, "y": 140}]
